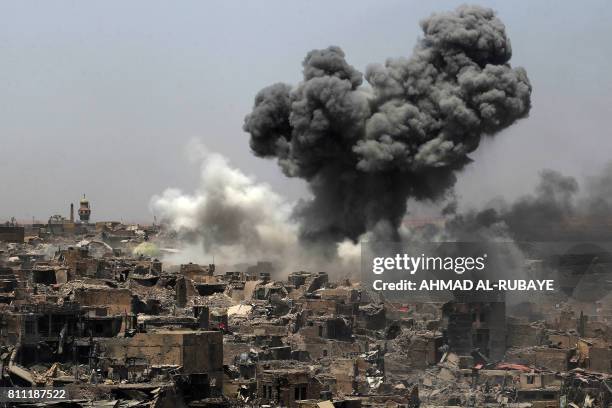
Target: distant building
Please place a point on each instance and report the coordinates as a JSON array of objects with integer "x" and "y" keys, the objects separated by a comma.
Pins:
[
  {"x": 11, "y": 233},
  {"x": 59, "y": 225}
]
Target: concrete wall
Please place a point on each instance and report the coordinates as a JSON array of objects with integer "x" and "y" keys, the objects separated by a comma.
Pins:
[
  {"x": 12, "y": 234},
  {"x": 601, "y": 359},
  {"x": 553, "y": 359},
  {"x": 523, "y": 335},
  {"x": 282, "y": 385},
  {"x": 196, "y": 351},
  {"x": 116, "y": 301}
]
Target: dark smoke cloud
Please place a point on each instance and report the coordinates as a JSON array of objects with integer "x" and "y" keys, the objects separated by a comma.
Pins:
[
  {"x": 558, "y": 210},
  {"x": 365, "y": 150}
]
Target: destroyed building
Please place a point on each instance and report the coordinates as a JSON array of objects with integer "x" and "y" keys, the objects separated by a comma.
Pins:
[{"x": 108, "y": 324}]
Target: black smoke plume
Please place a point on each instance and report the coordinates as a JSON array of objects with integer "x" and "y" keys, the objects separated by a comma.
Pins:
[
  {"x": 558, "y": 210},
  {"x": 364, "y": 150}
]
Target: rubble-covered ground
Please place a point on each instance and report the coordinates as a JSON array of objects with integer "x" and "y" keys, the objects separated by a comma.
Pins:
[{"x": 96, "y": 313}]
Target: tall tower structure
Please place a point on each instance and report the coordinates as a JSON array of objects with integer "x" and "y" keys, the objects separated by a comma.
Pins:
[{"x": 84, "y": 210}]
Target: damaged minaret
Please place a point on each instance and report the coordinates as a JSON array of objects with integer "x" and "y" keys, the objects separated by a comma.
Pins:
[{"x": 84, "y": 210}]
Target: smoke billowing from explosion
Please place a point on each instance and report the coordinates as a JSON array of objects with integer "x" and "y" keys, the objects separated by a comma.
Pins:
[
  {"x": 235, "y": 219},
  {"x": 229, "y": 214},
  {"x": 558, "y": 210},
  {"x": 365, "y": 150}
]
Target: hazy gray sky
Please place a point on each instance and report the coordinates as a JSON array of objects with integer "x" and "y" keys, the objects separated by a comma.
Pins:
[{"x": 103, "y": 97}]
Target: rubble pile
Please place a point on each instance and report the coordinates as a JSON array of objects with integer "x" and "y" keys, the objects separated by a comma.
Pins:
[{"x": 99, "y": 314}]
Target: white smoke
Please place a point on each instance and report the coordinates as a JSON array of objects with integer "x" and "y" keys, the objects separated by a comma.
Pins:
[
  {"x": 229, "y": 214},
  {"x": 236, "y": 219}
]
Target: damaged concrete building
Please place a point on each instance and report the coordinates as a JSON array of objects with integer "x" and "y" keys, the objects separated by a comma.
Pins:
[{"x": 109, "y": 322}]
